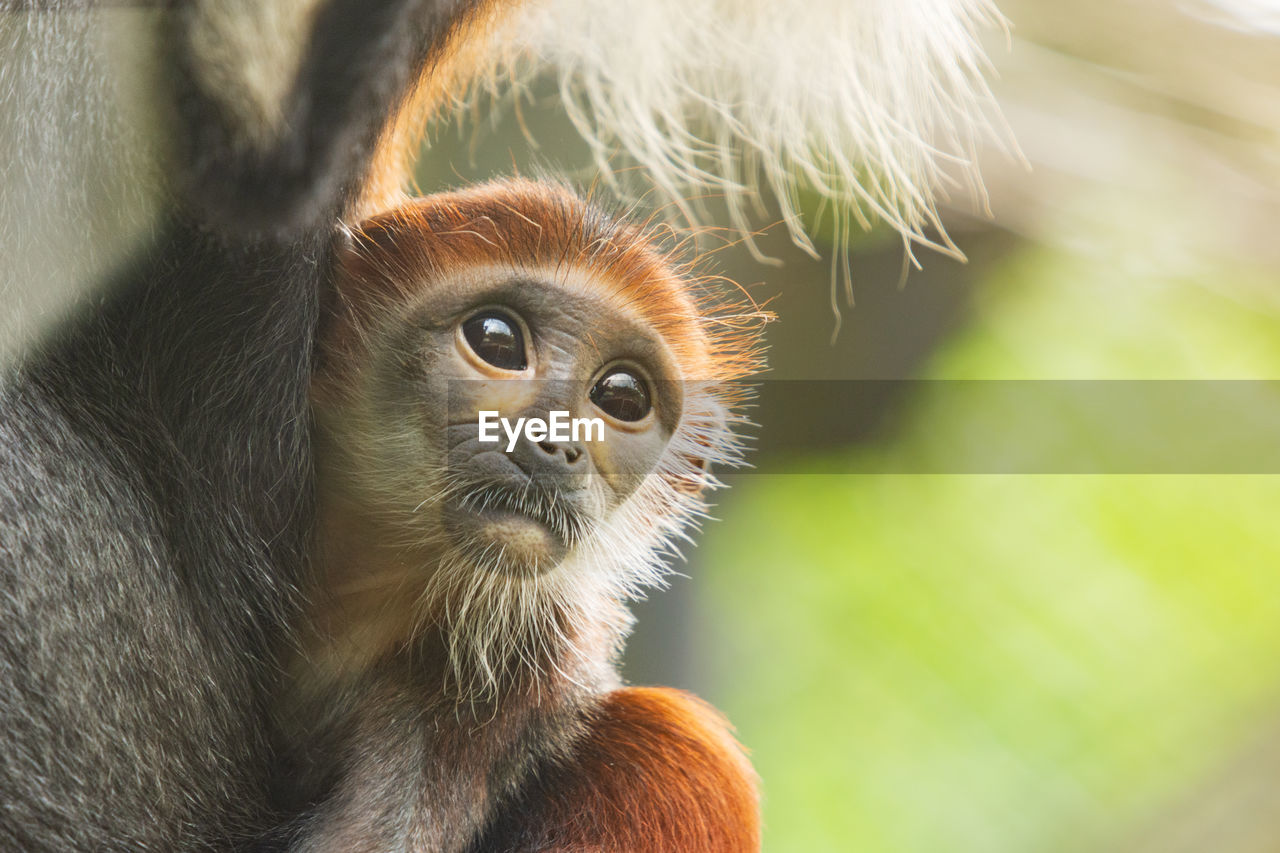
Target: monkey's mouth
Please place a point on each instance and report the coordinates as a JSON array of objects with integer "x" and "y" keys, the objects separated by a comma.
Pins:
[{"x": 524, "y": 528}]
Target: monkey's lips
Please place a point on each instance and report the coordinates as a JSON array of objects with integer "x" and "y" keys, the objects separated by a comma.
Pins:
[{"x": 517, "y": 530}]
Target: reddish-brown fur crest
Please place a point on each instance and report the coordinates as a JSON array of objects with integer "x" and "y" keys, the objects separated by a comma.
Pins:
[
  {"x": 658, "y": 772},
  {"x": 540, "y": 226}
]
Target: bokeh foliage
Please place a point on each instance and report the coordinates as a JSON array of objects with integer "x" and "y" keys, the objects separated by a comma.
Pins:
[{"x": 1007, "y": 663}]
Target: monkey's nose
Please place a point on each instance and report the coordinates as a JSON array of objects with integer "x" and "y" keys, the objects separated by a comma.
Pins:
[
  {"x": 559, "y": 465},
  {"x": 572, "y": 452}
]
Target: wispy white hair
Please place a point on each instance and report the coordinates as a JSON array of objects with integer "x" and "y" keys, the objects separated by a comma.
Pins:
[{"x": 876, "y": 105}]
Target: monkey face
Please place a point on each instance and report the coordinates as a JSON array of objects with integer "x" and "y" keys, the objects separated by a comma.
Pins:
[
  {"x": 579, "y": 395},
  {"x": 466, "y": 336},
  {"x": 580, "y": 400},
  {"x": 510, "y": 306}
]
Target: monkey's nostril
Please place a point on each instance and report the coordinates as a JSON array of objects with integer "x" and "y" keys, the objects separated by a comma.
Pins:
[{"x": 572, "y": 453}]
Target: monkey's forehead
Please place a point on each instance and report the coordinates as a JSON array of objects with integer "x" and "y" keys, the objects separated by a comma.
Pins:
[
  {"x": 593, "y": 300},
  {"x": 521, "y": 222},
  {"x": 545, "y": 231}
]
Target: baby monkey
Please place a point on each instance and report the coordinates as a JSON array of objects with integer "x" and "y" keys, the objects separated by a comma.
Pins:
[{"x": 455, "y": 688}]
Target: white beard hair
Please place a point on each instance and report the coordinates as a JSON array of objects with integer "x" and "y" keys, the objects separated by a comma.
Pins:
[
  {"x": 569, "y": 621},
  {"x": 877, "y": 105}
]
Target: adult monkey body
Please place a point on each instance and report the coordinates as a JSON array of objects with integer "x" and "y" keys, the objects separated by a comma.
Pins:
[
  {"x": 456, "y": 689},
  {"x": 156, "y": 461},
  {"x": 154, "y": 448}
]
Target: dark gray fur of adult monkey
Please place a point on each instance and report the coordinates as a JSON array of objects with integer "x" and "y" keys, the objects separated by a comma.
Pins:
[
  {"x": 154, "y": 450},
  {"x": 154, "y": 442}
]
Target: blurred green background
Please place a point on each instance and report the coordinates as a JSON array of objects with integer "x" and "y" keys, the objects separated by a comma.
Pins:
[{"x": 1005, "y": 662}]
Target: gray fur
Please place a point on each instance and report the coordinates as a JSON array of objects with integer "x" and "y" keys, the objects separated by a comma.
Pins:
[{"x": 155, "y": 457}]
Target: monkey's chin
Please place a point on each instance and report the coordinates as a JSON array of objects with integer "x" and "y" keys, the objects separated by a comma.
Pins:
[{"x": 507, "y": 542}]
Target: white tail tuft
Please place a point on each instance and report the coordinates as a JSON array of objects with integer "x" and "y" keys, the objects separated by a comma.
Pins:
[{"x": 877, "y": 105}]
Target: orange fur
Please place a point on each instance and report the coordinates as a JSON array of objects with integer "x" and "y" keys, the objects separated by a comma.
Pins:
[
  {"x": 658, "y": 771},
  {"x": 526, "y": 224}
]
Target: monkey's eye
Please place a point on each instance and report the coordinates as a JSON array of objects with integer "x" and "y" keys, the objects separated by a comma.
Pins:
[
  {"x": 497, "y": 339},
  {"x": 621, "y": 394}
]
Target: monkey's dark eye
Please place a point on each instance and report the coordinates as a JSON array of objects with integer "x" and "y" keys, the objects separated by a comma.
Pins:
[
  {"x": 622, "y": 394},
  {"x": 496, "y": 338}
]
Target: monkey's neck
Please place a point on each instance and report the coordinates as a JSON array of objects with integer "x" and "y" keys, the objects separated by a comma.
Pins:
[
  {"x": 370, "y": 605},
  {"x": 405, "y": 758},
  {"x": 362, "y": 608}
]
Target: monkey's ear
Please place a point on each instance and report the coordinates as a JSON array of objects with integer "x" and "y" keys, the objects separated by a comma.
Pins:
[
  {"x": 708, "y": 439},
  {"x": 698, "y": 476}
]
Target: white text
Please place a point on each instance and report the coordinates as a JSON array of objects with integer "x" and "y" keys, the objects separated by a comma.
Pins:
[{"x": 558, "y": 427}]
